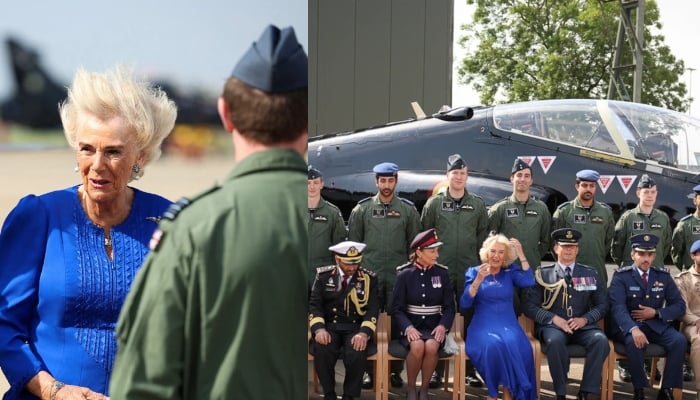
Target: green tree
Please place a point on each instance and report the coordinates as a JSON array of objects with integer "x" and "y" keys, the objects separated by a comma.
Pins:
[{"x": 525, "y": 50}]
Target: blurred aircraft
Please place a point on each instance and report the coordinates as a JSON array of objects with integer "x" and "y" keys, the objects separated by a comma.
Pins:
[
  {"x": 557, "y": 138},
  {"x": 36, "y": 96}
]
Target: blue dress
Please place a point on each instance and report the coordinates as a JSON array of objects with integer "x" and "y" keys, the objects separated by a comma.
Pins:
[
  {"x": 60, "y": 294},
  {"x": 496, "y": 344}
]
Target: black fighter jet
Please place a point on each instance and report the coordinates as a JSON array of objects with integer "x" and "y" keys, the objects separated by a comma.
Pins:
[{"x": 557, "y": 138}]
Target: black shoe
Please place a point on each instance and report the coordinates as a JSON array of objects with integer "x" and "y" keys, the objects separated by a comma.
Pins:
[
  {"x": 687, "y": 373},
  {"x": 367, "y": 381},
  {"x": 582, "y": 396},
  {"x": 625, "y": 376},
  {"x": 346, "y": 397},
  {"x": 638, "y": 394},
  {"x": 435, "y": 380},
  {"x": 396, "y": 381},
  {"x": 330, "y": 396},
  {"x": 665, "y": 394},
  {"x": 561, "y": 397},
  {"x": 473, "y": 380}
]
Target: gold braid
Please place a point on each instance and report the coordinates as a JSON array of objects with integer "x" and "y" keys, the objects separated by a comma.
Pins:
[
  {"x": 354, "y": 298},
  {"x": 552, "y": 290}
]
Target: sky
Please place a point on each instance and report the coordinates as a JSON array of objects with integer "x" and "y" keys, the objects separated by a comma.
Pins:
[
  {"x": 680, "y": 28},
  {"x": 193, "y": 44}
]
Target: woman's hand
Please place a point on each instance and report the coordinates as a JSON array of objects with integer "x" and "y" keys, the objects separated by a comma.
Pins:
[
  {"x": 71, "y": 392},
  {"x": 518, "y": 248},
  {"x": 412, "y": 334},
  {"x": 439, "y": 333},
  {"x": 484, "y": 271}
]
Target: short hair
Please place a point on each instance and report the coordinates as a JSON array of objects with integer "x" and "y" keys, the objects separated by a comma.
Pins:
[
  {"x": 145, "y": 109},
  {"x": 497, "y": 238},
  {"x": 267, "y": 118}
]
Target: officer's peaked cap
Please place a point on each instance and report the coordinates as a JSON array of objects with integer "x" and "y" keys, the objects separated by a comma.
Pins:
[
  {"x": 314, "y": 173},
  {"x": 348, "y": 251},
  {"x": 426, "y": 240},
  {"x": 566, "y": 236},
  {"x": 645, "y": 242},
  {"x": 275, "y": 63}
]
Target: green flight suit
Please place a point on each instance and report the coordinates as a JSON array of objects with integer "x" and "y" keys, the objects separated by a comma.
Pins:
[
  {"x": 633, "y": 222},
  {"x": 596, "y": 225},
  {"x": 218, "y": 310},
  {"x": 387, "y": 230},
  {"x": 326, "y": 228},
  {"x": 530, "y": 223},
  {"x": 686, "y": 233},
  {"x": 461, "y": 227}
]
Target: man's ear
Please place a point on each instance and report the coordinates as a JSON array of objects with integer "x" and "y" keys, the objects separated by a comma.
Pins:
[{"x": 225, "y": 115}]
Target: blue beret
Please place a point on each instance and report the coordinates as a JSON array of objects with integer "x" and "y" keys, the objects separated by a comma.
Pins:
[
  {"x": 314, "y": 173},
  {"x": 588, "y": 175},
  {"x": 276, "y": 63},
  {"x": 426, "y": 240},
  {"x": 566, "y": 236},
  {"x": 519, "y": 165},
  {"x": 455, "y": 161},
  {"x": 695, "y": 247},
  {"x": 644, "y": 242},
  {"x": 696, "y": 189},
  {"x": 645, "y": 182},
  {"x": 386, "y": 169}
]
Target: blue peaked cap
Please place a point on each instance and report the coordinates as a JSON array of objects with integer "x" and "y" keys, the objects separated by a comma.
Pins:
[{"x": 276, "y": 63}]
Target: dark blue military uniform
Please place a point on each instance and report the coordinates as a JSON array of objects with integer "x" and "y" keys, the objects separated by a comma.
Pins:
[
  {"x": 423, "y": 298},
  {"x": 627, "y": 292},
  {"x": 343, "y": 313},
  {"x": 584, "y": 296}
]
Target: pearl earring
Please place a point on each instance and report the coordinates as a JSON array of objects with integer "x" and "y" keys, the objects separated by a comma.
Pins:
[
  {"x": 75, "y": 169},
  {"x": 135, "y": 172}
]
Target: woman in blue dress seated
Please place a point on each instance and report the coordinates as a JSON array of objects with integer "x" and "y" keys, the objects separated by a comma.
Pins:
[
  {"x": 496, "y": 344},
  {"x": 423, "y": 307},
  {"x": 68, "y": 257}
]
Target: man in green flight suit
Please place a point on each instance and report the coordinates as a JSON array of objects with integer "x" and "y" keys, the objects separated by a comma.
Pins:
[
  {"x": 686, "y": 233},
  {"x": 227, "y": 272},
  {"x": 462, "y": 224},
  {"x": 326, "y": 225},
  {"x": 387, "y": 224},
  {"x": 592, "y": 218}
]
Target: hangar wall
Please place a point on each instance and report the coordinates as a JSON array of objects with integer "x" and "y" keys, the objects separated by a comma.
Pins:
[{"x": 369, "y": 59}]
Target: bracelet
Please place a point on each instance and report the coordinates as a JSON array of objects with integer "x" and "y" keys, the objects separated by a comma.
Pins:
[{"x": 55, "y": 387}]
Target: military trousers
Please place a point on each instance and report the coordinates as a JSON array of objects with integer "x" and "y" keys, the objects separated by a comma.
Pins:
[{"x": 325, "y": 357}]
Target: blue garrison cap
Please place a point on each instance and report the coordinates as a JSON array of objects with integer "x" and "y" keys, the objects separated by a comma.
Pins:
[
  {"x": 645, "y": 242},
  {"x": 276, "y": 63},
  {"x": 696, "y": 189},
  {"x": 519, "y": 165},
  {"x": 695, "y": 247},
  {"x": 455, "y": 161},
  {"x": 646, "y": 182},
  {"x": 587, "y": 175},
  {"x": 314, "y": 173},
  {"x": 386, "y": 169},
  {"x": 566, "y": 236}
]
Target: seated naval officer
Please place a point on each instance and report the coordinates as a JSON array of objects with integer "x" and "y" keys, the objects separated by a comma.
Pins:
[
  {"x": 566, "y": 304},
  {"x": 644, "y": 300},
  {"x": 343, "y": 311}
]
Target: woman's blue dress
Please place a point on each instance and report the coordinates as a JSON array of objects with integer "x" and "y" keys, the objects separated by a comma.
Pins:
[{"x": 496, "y": 344}]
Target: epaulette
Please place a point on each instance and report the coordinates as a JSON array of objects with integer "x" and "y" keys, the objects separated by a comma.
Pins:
[
  {"x": 549, "y": 266},
  {"x": 584, "y": 266},
  {"x": 403, "y": 266},
  {"x": 627, "y": 268},
  {"x": 686, "y": 217},
  {"x": 685, "y": 271},
  {"x": 441, "y": 266},
  {"x": 331, "y": 205},
  {"x": 477, "y": 196},
  {"x": 564, "y": 204},
  {"x": 662, "y": 269},
  {"x": 327, "y": 268},
  {"x": 604, "y": 205},
  {"x": 364, "y": 200},
  {"x": 409, "y": 202},
  {"x": 181, "y": 204},
  {"x": 368, "y": 272}
]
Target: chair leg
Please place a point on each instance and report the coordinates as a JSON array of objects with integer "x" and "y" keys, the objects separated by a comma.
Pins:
[{"x": 446, "y": 377}]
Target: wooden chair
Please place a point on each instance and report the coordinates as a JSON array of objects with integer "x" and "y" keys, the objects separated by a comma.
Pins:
[
  {"x": 574, "y": 351},
  {"x": 394, "y": 350},
  {"x": 653, "y": 351},
  {"x": 375, "y": 347}
]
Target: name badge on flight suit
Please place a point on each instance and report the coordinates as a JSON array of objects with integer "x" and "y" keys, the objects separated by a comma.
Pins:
[
  {"x": 512, "y": 213},
  {"x": 320, "y": 218},
  {"x": 695, "y": 229},
  {"x": 597, "y": 220},
  {"x": 638, "y": 225},
  {"x": 378, "y": 213},
  {"x": 393, "y": 214},
  {"x": 579, "y": 218},
  {"x": 448, "y": 206},
  {"x": 657, "y": 226}
]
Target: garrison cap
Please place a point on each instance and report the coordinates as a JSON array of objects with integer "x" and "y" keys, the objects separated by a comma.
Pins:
[
  {"x": 276, "y": 63},
  {"x": 588, "y": 175},
  {"x": 426, "y": 240},
  {"x": 348, "y": 251},
  {"x": 695, "y": 247},
  {"x": 386, "y": 169},
  {"x": 519, "y": 165},
  {"x": 455, "y": 161},
  {"x": 314, "y": 173},
  {"x": 645, "y": 182},
  {"x": 644, "y": 242},
  {"x": 566, "y": 236},
  {"x": 696, "y": 190}
]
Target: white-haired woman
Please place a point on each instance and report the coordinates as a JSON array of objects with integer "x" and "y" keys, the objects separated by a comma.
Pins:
[
  {"x": 68, "y": 257},
  {"x": 497, "y": 346}
]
